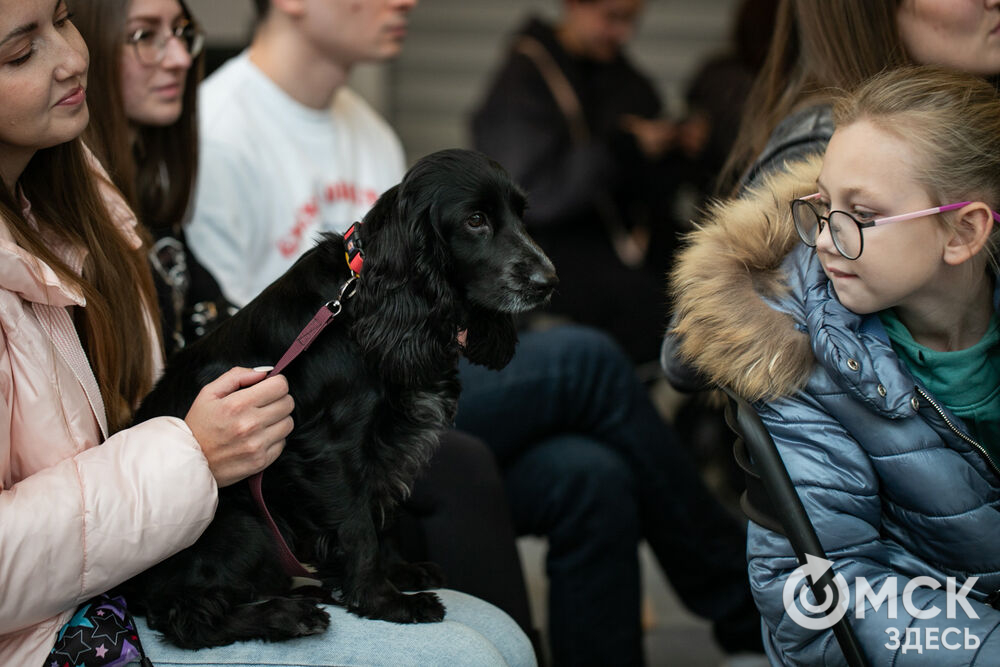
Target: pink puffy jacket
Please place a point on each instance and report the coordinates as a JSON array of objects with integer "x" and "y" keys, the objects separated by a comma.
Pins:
[{"x": 79, "y": 512}]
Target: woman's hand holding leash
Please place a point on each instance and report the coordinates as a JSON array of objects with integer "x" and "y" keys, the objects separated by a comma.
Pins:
[{"x": 241, "y": 420}]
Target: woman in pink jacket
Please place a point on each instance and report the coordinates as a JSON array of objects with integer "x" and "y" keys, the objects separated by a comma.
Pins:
[{"x": 78, "y": 351}]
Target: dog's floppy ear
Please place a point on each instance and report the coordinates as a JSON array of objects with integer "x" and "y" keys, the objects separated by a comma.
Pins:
[
  {"x": 406, "y": 321},
  {"x": 490, "y": 339}
]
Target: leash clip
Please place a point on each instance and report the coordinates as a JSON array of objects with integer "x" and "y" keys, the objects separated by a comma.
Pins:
[{"x": 336, "y": 305}]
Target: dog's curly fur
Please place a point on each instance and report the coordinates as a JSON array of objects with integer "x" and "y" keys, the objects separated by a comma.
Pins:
[{"x": 445, "y": 251}]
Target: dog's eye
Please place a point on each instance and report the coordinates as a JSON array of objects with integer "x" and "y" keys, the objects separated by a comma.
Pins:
[{"x": 477, "y": 219}]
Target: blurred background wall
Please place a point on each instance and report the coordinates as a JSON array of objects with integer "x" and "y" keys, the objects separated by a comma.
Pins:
[{"x": 453, "y": 47}]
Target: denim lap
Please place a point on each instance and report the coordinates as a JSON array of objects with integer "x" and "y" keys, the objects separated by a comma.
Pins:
[{"x": 473, "y": 633}]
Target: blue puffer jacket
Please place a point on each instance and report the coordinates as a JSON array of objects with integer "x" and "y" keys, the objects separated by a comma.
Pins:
[{"x": 892, "y": 482}]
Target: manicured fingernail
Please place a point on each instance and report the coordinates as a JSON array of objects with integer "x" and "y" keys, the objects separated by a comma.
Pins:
[{"x": 264, "y": 369}]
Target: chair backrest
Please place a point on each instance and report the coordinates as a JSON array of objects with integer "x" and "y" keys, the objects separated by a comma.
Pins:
[{"x": 771, "y": 501}]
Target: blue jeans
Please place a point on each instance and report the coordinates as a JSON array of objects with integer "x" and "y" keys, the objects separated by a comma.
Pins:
[
  {"x": 589, "y": 464},
  {"x": 473, "y": 633}
]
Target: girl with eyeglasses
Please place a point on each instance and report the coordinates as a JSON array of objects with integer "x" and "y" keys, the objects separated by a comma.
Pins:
[
  {"x": 146, "y": 59},
  {"x": 853, "y": 300}
]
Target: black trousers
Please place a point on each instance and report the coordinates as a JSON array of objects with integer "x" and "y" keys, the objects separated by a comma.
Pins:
[{"x": 458, "y": 517}]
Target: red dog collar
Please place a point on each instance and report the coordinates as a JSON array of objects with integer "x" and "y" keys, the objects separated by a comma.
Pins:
[{"x": 354, "y": 254}]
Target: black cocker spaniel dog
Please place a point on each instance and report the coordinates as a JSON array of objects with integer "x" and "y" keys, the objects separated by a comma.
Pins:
[{"x": 445, "y": 252}]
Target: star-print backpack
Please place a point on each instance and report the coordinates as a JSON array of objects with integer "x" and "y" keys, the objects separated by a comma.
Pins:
[{"x": 101, "y": 634}]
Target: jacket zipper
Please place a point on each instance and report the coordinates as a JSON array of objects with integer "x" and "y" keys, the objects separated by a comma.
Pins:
[
  {"x": 979, "y": 448},
  {"x": 994, "y": 598}
]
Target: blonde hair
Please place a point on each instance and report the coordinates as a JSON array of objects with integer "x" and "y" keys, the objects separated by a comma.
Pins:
[{"x": 952, "y": 122}]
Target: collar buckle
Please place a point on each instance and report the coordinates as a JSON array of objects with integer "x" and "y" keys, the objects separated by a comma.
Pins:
[{"x": 354, "y": 254}]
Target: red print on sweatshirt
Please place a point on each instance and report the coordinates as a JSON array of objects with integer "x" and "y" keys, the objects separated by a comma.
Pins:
[{"x": 307, "y": 216}]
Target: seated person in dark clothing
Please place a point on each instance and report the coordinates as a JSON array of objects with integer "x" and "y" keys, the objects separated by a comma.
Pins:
[
  {"x": 579, "y": 127},
  {"x": 717, "y": 93}
]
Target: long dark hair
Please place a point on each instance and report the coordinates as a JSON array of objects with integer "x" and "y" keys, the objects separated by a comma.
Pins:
[
  {"x": 153, "y": 166},
  {"x": 67, "y": 203},
  {"x": 818, "y": 48}
]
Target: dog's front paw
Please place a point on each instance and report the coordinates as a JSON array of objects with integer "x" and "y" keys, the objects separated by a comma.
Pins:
[
  {"x": 313, "y": 621},
  {"x": 286, "y": 618},
  {"x": 403, "y": 608},
  {"x": 424, "y": 608},
  {"x": 416, "y": 576}
]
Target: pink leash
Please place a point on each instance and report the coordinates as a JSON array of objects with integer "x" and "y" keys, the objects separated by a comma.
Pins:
[{"x": 292, "y": 566}]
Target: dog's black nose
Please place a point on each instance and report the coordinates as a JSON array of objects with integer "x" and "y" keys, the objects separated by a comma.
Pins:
[{"x": 544, "y": 279}]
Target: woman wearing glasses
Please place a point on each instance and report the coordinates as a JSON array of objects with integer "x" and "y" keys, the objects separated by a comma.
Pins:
[
  {"x": 853, "y": 299},
  {"x": 146, "y": 61}
]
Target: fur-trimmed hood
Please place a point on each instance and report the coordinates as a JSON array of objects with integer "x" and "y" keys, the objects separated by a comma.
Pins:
[{"x": 726, "y": 285}]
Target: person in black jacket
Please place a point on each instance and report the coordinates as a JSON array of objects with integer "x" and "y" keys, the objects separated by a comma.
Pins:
[
  {"x": 588, "y": 462},
  {"x": 580, "y": 128}
]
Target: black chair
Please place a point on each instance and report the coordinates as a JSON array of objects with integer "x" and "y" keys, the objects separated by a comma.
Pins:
[{"x": 770, "y": 500}]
